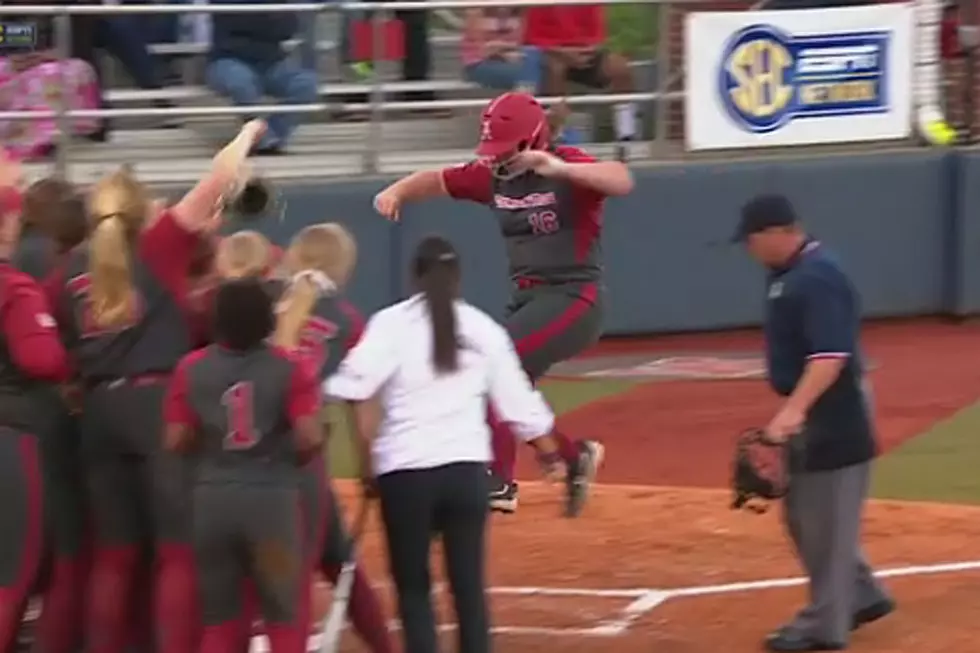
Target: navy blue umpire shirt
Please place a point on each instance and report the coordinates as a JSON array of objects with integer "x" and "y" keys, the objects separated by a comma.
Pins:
[{"x": 812, "y": 312}]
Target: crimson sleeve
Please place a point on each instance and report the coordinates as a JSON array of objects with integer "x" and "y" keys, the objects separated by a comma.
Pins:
[
  {"x": 168, "y": 250},
  {"x": 304, "y": 392},
  {"x": 356, "y": 321},
  {"x": 471, "y": 181},
  {"x": 30, "y": 329},
  {"x": 176, "y": 408},
  {"x": 586, "y": 198}
]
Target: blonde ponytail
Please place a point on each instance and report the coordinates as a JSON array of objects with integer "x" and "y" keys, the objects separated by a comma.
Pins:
[
  {"x": 243, "y": 254},
  {"x": 112, "y": 296},
  {"x": 118, "y": 206},
  {"x": 294, "y": 310},
  {"x": 320, "y": 259}
]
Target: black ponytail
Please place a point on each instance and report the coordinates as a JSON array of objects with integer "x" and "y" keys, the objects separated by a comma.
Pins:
[{"x": 436, "y": 272}]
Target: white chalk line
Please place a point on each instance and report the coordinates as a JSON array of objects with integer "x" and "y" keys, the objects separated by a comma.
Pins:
[{"x": 645, "y": 600}]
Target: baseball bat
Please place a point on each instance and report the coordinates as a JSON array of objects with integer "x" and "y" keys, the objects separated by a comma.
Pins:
[{"x": 333, "y": 623}]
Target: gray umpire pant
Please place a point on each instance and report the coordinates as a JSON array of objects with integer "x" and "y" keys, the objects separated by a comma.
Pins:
[{"x": 823, "y": 516}]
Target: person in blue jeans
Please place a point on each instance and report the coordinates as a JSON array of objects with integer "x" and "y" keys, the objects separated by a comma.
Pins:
[
  {"x": 494, "y": 57},
  {"x": 247, "y": 62}
]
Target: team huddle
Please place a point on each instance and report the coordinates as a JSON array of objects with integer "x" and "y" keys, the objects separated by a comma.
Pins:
[{"x": 161, "y": 390}]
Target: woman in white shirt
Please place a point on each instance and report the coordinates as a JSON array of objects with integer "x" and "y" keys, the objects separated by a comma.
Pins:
[{"x": 432, "y": 362}]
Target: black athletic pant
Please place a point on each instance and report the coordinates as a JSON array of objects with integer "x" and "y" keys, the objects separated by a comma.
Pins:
[{"x": 450, "y": 500}]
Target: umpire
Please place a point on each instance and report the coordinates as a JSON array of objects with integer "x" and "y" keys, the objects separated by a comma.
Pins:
[
  {"x": 812, "y": 327},
  {"x": 433, "y": 361}
]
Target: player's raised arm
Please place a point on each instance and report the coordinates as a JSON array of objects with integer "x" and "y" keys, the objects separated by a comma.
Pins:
[
  {"x": 609, "y": 178},
  {"x": 471, "y": 181},
  {"x": 228, "y": 170}
]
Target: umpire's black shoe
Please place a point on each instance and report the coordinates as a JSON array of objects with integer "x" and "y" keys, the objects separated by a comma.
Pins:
[
  {"x": 872, "y": 613},
  {"x": 502, "y": 495},
  {"x": 786, "y": 641},
  {"x": 581, "y": 474}
]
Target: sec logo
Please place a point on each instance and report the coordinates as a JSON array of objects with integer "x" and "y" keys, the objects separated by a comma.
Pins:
[{"x": 756, "y": 84}]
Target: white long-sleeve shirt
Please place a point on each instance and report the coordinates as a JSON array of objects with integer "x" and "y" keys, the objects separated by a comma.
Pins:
[{"x": 432, "y": 419}]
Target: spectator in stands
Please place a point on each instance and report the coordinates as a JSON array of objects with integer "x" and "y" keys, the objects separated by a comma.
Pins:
[
  {"x": 247, "y": 61},
  {"x": 572, "y": 38},
  {"x": 125, "y": 37},
  {"x": 417, "y": 65},
  {"x": 493, "y": 52},
  {"x": 34, "y": 79}
]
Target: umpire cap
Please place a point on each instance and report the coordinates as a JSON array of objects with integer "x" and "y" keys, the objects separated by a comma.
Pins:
[{"x": 764, "y": 212}]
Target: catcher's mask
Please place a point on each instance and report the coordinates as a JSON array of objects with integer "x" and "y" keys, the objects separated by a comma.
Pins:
[{"x": 759, "y": 471}]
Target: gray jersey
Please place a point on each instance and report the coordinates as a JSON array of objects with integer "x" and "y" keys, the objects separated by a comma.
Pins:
[
  {"x": 243, "y": 405},
  {"x": 551, "y": 227}
]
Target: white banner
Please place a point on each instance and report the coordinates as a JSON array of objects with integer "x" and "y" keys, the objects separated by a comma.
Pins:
[{"x": 776, "y": 78}]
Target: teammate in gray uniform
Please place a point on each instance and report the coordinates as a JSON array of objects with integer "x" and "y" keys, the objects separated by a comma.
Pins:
[
  {"x": 548, "y": 201},
  {"x": 31, "y": 359},
  {"x": 124, "y": 319},
  {"x": 54, "y": 222},
  {"x": 251, "y": 412},
  {"x": 316, "y": 321}
]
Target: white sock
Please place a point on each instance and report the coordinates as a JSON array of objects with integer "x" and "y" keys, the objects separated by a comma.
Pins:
[{"x": 624, "y": 119}]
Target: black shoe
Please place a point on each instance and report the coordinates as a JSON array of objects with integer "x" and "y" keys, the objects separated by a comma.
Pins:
[
  {"x": 168, "y": 122},
  {"x": 785, "y": 641},
  {"x": 269, "y": 150},
  {"x": 623, "y": 150},
  {"x": 502, "y": 495},
  {"x": 872, "y": 613},
  {"x": 581, "y": 474}
]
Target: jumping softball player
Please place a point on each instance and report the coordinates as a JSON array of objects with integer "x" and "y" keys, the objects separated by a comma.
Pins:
[
  {"x": 254, "y": 413},
  {"x": 31, "y": 360},
  {"x": 548, "y": 201},
  {"x": 431, "y": 362},
  {"x": 314, "y": 319},
  {"x": 124, "y": 299}
]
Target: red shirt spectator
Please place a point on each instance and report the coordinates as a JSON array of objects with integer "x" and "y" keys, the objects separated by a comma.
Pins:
[{"x": 577, "y": 26}]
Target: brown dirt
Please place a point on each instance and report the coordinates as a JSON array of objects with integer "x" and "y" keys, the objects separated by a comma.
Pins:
[
  {"x": 664, "y": 538},
  {"x": 681, "y": 433}
]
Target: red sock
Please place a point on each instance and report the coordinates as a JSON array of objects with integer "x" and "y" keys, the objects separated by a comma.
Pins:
[
  {"x": 58, "y": 628},
  {"x": 567, "y": 447},
  {"x": 504, "y": 447},
  {"x": 141, "y": 613},
  {"x": 110, "y": 595},
  {"x": 177, "y": 616},
  {"x": 364, "y": 611},
  {"x": 292, "y": 637},
  {"x": 13, "y": 601},
  {"x": 222, "y": 638}
]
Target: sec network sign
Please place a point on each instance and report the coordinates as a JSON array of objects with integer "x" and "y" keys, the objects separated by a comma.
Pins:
[
  {"x": 768, "y": 77},
  {"x": 798, "y": 77}
]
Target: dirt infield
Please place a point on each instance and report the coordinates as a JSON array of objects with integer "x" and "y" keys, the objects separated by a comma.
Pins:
[
  {"x": 649, "y": 568},
  {"x": 652, "y": 569},
  {"x": 681, "y": 433}
]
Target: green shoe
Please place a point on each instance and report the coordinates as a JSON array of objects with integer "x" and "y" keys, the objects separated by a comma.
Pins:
[{"x": 362, "y": 69}]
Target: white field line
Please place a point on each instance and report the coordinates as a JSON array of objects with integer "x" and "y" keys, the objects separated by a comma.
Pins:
[
  {"x": 644, "y": 601},
  {"x": 896, "y": 572}
]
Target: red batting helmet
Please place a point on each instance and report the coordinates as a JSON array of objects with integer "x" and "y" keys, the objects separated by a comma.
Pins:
[{"x": 512, "y": 122}]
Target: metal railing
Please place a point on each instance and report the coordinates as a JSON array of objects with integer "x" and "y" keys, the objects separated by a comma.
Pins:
[{"x": 377, "y": 106}]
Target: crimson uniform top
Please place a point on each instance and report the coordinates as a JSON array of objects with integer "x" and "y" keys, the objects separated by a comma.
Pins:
[
  {"x": 551, "y": 227},
  {"x": 243, "y": 406},
  {"x": 159, "y": 333},
  {"x": 31, "y": 355},
  {"x": 333, "y": 328}
]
